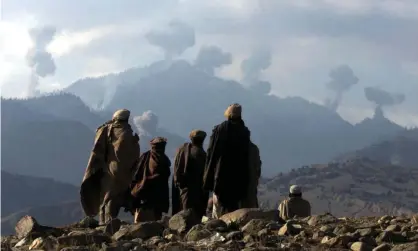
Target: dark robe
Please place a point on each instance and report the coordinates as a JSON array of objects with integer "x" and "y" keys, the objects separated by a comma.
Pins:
[
  {"x": 189, "y": 167},
  {"x": 227, "y": 164},
  {"x": 150, "y": 183},
  {"x": 175, "y": 198}
]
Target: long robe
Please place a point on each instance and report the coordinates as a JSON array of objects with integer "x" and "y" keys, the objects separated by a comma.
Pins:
[
  {"x": 189, "y": 167},
  {"x": 227, "y": 163},
  {"x": 251, "y": 201},
  {"x": 109, "y": 170},
  {"x": 150, "y": 184},
  {"x": 175, "y": 198}
]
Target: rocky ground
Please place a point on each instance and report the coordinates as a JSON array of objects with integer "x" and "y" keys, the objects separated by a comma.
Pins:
[{"x": 244, "y": 229}]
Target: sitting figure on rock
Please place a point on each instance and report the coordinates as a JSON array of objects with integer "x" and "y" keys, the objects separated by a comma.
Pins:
[
  {"x": 110, "y": 167},
  {"x": 227, "y": 162},
  {"x": 150, "y": 189},
  {"x": 295, "y": 205},
  {"x": 189, "y": 165}
]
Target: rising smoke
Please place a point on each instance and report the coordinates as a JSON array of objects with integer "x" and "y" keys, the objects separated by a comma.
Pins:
[
  {"x": 342, "y": 79},
  {"x": 146, "y": 124},
  {"x": 383, "y": 98},
  {"x": 211, "y": 57},
  {"x": 175, "y": 40},
  {"x": 252, "y": 67},
  {"x": 38, "y": 59}
]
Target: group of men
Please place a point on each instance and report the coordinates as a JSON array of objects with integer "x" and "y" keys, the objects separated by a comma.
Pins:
[{"x": 117, "y": 176}]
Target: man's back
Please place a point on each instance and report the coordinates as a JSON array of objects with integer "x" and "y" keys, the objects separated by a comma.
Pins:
[{"x": 295, "y": 206}]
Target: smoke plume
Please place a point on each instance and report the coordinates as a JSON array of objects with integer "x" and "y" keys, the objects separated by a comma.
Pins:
[
  {"x": 146, "y": 124},
  {"x": 211, "y": 57},
  {"x": 251, "y": 67},
  {"x": 383, "y": 98},
  {"x": 342, "y": 79},
  {"x": 175, "y": 40},
  {"x": 38, "y": 59},
  {"x": 261, "y": 87}
]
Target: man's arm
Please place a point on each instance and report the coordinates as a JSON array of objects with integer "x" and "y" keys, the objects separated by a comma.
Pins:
[{"x": 179, "y": 165}]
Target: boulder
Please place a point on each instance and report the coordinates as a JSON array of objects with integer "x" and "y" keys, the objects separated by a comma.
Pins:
[
  {"x": 244, "y": 215},
  {"x": 142, "y": 230},
  {"x": 183, "y": 221}
]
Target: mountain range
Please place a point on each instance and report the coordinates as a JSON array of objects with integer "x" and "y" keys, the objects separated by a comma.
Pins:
[
  {"x": 46, "y": 142},
  {"x": 287, "y": 130}
]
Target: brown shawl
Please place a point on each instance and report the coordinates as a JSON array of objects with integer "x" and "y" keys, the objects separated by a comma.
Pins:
[
  {"x": 150, "y": 183},
  {"x": 90, "y": 186}
]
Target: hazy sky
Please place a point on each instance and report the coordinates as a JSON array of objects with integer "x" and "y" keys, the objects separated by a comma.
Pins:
[{"x": 377, "y": 38}]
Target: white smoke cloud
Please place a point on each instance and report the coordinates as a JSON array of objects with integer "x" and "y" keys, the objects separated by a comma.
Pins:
[
  {"x": 38, "y": 58},
  {"x": 342, "y": 79},
  {"x": 147, "y": 124},
  {"x": 174, "y": 41}
]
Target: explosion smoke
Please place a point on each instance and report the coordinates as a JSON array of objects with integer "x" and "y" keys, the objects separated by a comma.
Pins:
[
  {"x": 383, "y": 98},
  {"x": 37, "y": 58},
  {"x": 146, "y": 124},
  {"x": 251, "y": 67},
  {"x": 175, "y": 41},
  {"x": 211, "y": 57},
  {"x": 342, "y": 79}
]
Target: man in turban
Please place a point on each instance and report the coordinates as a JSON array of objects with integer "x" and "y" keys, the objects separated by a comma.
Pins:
[
  {"x": 295, "y": 205},
  {"x": 227, "y": 162},
  {"x": 150, "y": 183},
  {"x": 110, "y": 167},
  {"x": 189, "y": 166}
]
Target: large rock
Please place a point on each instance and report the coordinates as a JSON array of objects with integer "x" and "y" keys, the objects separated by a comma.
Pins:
[
  {"x": 323, "y": 219},
  {"x": 183, "y": 221},
  {"x": 142, "y": 230},
  {"x": 244, "y": 215},
  {"x": 197, "y": 233}
]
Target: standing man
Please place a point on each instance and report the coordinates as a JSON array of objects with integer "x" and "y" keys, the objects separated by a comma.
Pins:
[
  {"x": 189, "y": 166},
  {"x": 251, "y": 201},
  {"x": 227, "y": 162},
  {"x": 110, "y": 168}
]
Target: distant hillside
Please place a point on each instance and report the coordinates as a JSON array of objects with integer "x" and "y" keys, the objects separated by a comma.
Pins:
[
  {"x": 59, "y": 214},
  {"x": 19, "y": 192},
  {"x": 360, "y": 187},
  {"x": 52, "y": 136},
  {"x": 400, "y": 150},
  {"x": 38, "y": 143},
  {"x": 290, "y": 132},
  {"x": 64, "y": 106}
]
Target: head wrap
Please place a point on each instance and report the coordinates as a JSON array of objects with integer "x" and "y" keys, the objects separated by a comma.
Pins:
[
  {"x": 197, "y": 134},
  {"x": 295, "y": 189},
  {"x": 122, "y": 114},
  {"x": 233, "y": 111}
]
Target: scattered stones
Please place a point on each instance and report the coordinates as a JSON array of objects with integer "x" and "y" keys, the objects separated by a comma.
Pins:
[{"x": 184, "y": 232}]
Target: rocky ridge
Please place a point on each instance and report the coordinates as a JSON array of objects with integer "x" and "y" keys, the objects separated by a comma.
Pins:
[
  {"x": 358, "y": 187},
  {"x": 244, "y": 229}
]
